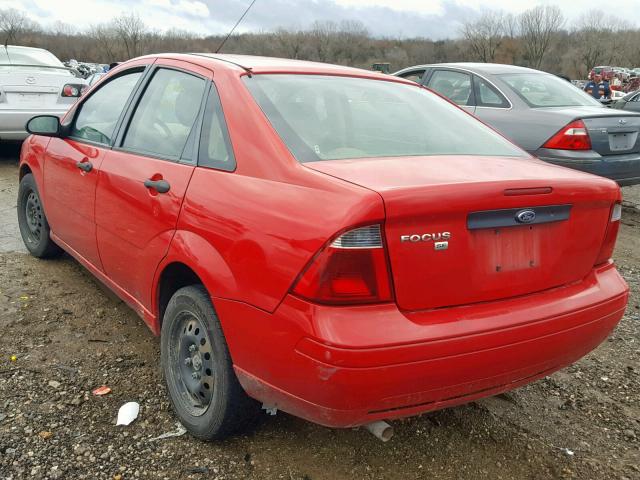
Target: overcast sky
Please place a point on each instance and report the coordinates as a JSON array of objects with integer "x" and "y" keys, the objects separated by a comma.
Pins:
[{"x": 435, "y": 19}]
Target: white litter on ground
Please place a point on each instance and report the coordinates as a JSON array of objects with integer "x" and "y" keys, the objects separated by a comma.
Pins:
[{"x": 128, "y": 413}]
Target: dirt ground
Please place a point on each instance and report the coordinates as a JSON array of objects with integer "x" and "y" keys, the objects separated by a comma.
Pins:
[{"x": 69, "y": 335}]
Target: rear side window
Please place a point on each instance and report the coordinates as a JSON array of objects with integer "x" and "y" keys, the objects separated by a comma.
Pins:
[
  {"x": 99, "y": 114},
  {"x": 165, "y": 115},
  {"x": 333, "y": 118},
  {"x": 488, "y": 96},
  {"x": 215, "y": 148},
  {"x": 456, "y": 86},
  {"x": 414, "y": 75}
]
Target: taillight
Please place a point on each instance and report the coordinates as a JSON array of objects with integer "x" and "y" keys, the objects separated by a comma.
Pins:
[
  {"x": 352, "y": 269},
  {"x": 71, "y": 90},
  {"x": 572, "y": 137},
  {"x": 609, "y": 242}
]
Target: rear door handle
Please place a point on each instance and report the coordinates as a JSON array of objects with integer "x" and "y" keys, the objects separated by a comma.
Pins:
[
  {"x": 85, "y": 165},
  {"x": 160, "y": 186}
]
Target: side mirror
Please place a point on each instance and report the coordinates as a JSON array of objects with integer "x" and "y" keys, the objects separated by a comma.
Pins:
[{"x": 47, "y": 125}]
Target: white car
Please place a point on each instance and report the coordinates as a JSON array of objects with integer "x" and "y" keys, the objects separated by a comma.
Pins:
[{"x": 33, "y": 82}]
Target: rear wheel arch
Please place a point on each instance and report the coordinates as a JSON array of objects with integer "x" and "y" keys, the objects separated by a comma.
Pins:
[{"x": 173, "y": 277}]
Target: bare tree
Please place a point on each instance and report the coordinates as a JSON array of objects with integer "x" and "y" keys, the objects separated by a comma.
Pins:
[
  {"x": 484, "y": 35},
  {"x": 322, "y": 36},
  {"x": 12, "y": 24},
  {"x": 291, "y": 41},
  {"x": 105, "y": 38},
  {"x": 131, "y": 31},
  {"x": 537, "y": 28},
  {"x": 598, "y": 37}
]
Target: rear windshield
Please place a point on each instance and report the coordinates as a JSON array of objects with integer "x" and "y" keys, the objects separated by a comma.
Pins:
[
  {"x": 334, "y": 118},
  {"x": 33, "y": 57},
  {"x": 543, "y": 90}
]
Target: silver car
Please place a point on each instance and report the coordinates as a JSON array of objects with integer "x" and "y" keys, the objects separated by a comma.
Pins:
[
  {"x": 546, "y": 115},
  {"x": 32, "y": 82}
]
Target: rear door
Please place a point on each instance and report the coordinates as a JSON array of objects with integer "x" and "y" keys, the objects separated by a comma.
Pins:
[
  {"x": 492, "y": 106},
  {"x": 72, "y": 164},
  {"x": 455, "y": 85},
  {"x": 143, "y": 179}
]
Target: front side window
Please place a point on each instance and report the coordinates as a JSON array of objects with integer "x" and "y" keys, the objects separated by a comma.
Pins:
[
  {"x": 165, "y": 115},
  {"x": 99, "y": 114},
  {"x": 334, "y": 118},
  {"x": 456, "y": 86},
  {"x": 543, "y": 90}
]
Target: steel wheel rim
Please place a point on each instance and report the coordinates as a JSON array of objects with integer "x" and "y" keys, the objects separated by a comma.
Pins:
[
  {"x": 192, "y": 364},
  {"x": 34, "y": 218}
]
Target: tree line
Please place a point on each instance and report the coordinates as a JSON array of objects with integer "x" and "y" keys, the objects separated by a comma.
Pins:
[{"x": 539, "y": 38}]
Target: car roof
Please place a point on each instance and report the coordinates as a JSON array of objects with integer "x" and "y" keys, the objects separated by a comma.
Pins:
[
  {"x": 487, "y": 68},
  {"x": 257, "y": 64}
]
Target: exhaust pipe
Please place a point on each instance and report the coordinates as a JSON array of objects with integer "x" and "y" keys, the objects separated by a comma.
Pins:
[{"x": 381, "y": 430}]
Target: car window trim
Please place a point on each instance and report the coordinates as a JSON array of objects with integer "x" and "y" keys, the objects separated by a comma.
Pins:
[
  {"x": 225, "y": 133},
  {"x": 133, "y": 106},
  {"x": 471, "y": 102},
  {"x": 476, "y": 88},
  {"x": 77, "y": 110}
]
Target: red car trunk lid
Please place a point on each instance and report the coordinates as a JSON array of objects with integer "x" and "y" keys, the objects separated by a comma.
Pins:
[{"x": 471, "y": 204}]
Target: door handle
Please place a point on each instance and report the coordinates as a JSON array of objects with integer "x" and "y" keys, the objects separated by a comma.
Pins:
[
  {"x": 85, "y": 166},
  {"x": 160, "y": 186}
]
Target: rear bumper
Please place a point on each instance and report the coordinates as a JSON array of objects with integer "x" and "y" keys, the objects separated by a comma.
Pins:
[
  {"x": 13, "y": 122},
  {"x": 342, "y": 367},
  {"x": 624, "y": 169}
]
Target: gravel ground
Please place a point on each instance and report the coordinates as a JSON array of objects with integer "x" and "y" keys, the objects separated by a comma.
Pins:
[{"x": 69, "y": 335}]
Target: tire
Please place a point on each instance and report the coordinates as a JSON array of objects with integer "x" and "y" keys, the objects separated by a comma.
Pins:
[
  {"x": 196, "y": 365},
  {"x": 32, "y": 221}
]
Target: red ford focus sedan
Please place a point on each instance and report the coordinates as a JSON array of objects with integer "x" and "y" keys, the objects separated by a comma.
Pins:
[{"x": 338, "y": 244}]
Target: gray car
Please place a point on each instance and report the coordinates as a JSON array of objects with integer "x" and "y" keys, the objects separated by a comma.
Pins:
[
  {"x": 32, "y": 82},
  {"x": 545, "y": 115}
]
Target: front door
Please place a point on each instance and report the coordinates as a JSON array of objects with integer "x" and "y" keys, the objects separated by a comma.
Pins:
[
  {"x": 143, "y": 180},
  {"x": 72, "y": 165}
]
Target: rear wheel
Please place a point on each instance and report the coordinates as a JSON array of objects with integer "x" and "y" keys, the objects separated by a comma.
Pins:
[
  {"x": 32, "y": 221},
  {"x": 197, "y": 367}
]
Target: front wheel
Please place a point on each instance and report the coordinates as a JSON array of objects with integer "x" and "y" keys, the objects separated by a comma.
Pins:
[
  {"x": 197, "y": 367},
  {"x": 32, "y": 221}
]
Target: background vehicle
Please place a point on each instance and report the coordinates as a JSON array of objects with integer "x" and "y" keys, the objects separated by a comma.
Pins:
[
  {"x": 605, "y": 71},
  {"x": 95, "y": 77},
  {"x": 630, "y": 102},
  {"x": 542, "y": 114},
  {"x": 32, "y": 81},
  {"x": 332, "y": 242}
]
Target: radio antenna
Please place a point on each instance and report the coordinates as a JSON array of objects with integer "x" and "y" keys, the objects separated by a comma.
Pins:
[{"x": 234, "y": 27}]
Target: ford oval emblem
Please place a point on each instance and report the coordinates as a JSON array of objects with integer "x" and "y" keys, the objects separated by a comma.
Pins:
[{"x": 526, "y": 216}]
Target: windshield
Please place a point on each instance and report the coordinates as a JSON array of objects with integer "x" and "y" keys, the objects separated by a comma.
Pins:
[
  {"x": 543, "y": 90},
  {"x": 334, "y": 118}
]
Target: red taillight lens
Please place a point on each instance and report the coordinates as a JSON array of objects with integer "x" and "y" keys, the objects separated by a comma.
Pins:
[
  {"x": 609, "y": 242},
  {"x": 353, "y": 269},
  {"x": 572, "y": 137},
  {"x": 70, "y": 90}
]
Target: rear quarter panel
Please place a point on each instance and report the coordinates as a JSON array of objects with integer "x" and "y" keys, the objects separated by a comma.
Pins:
[{"x": 251, "y": 237}]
